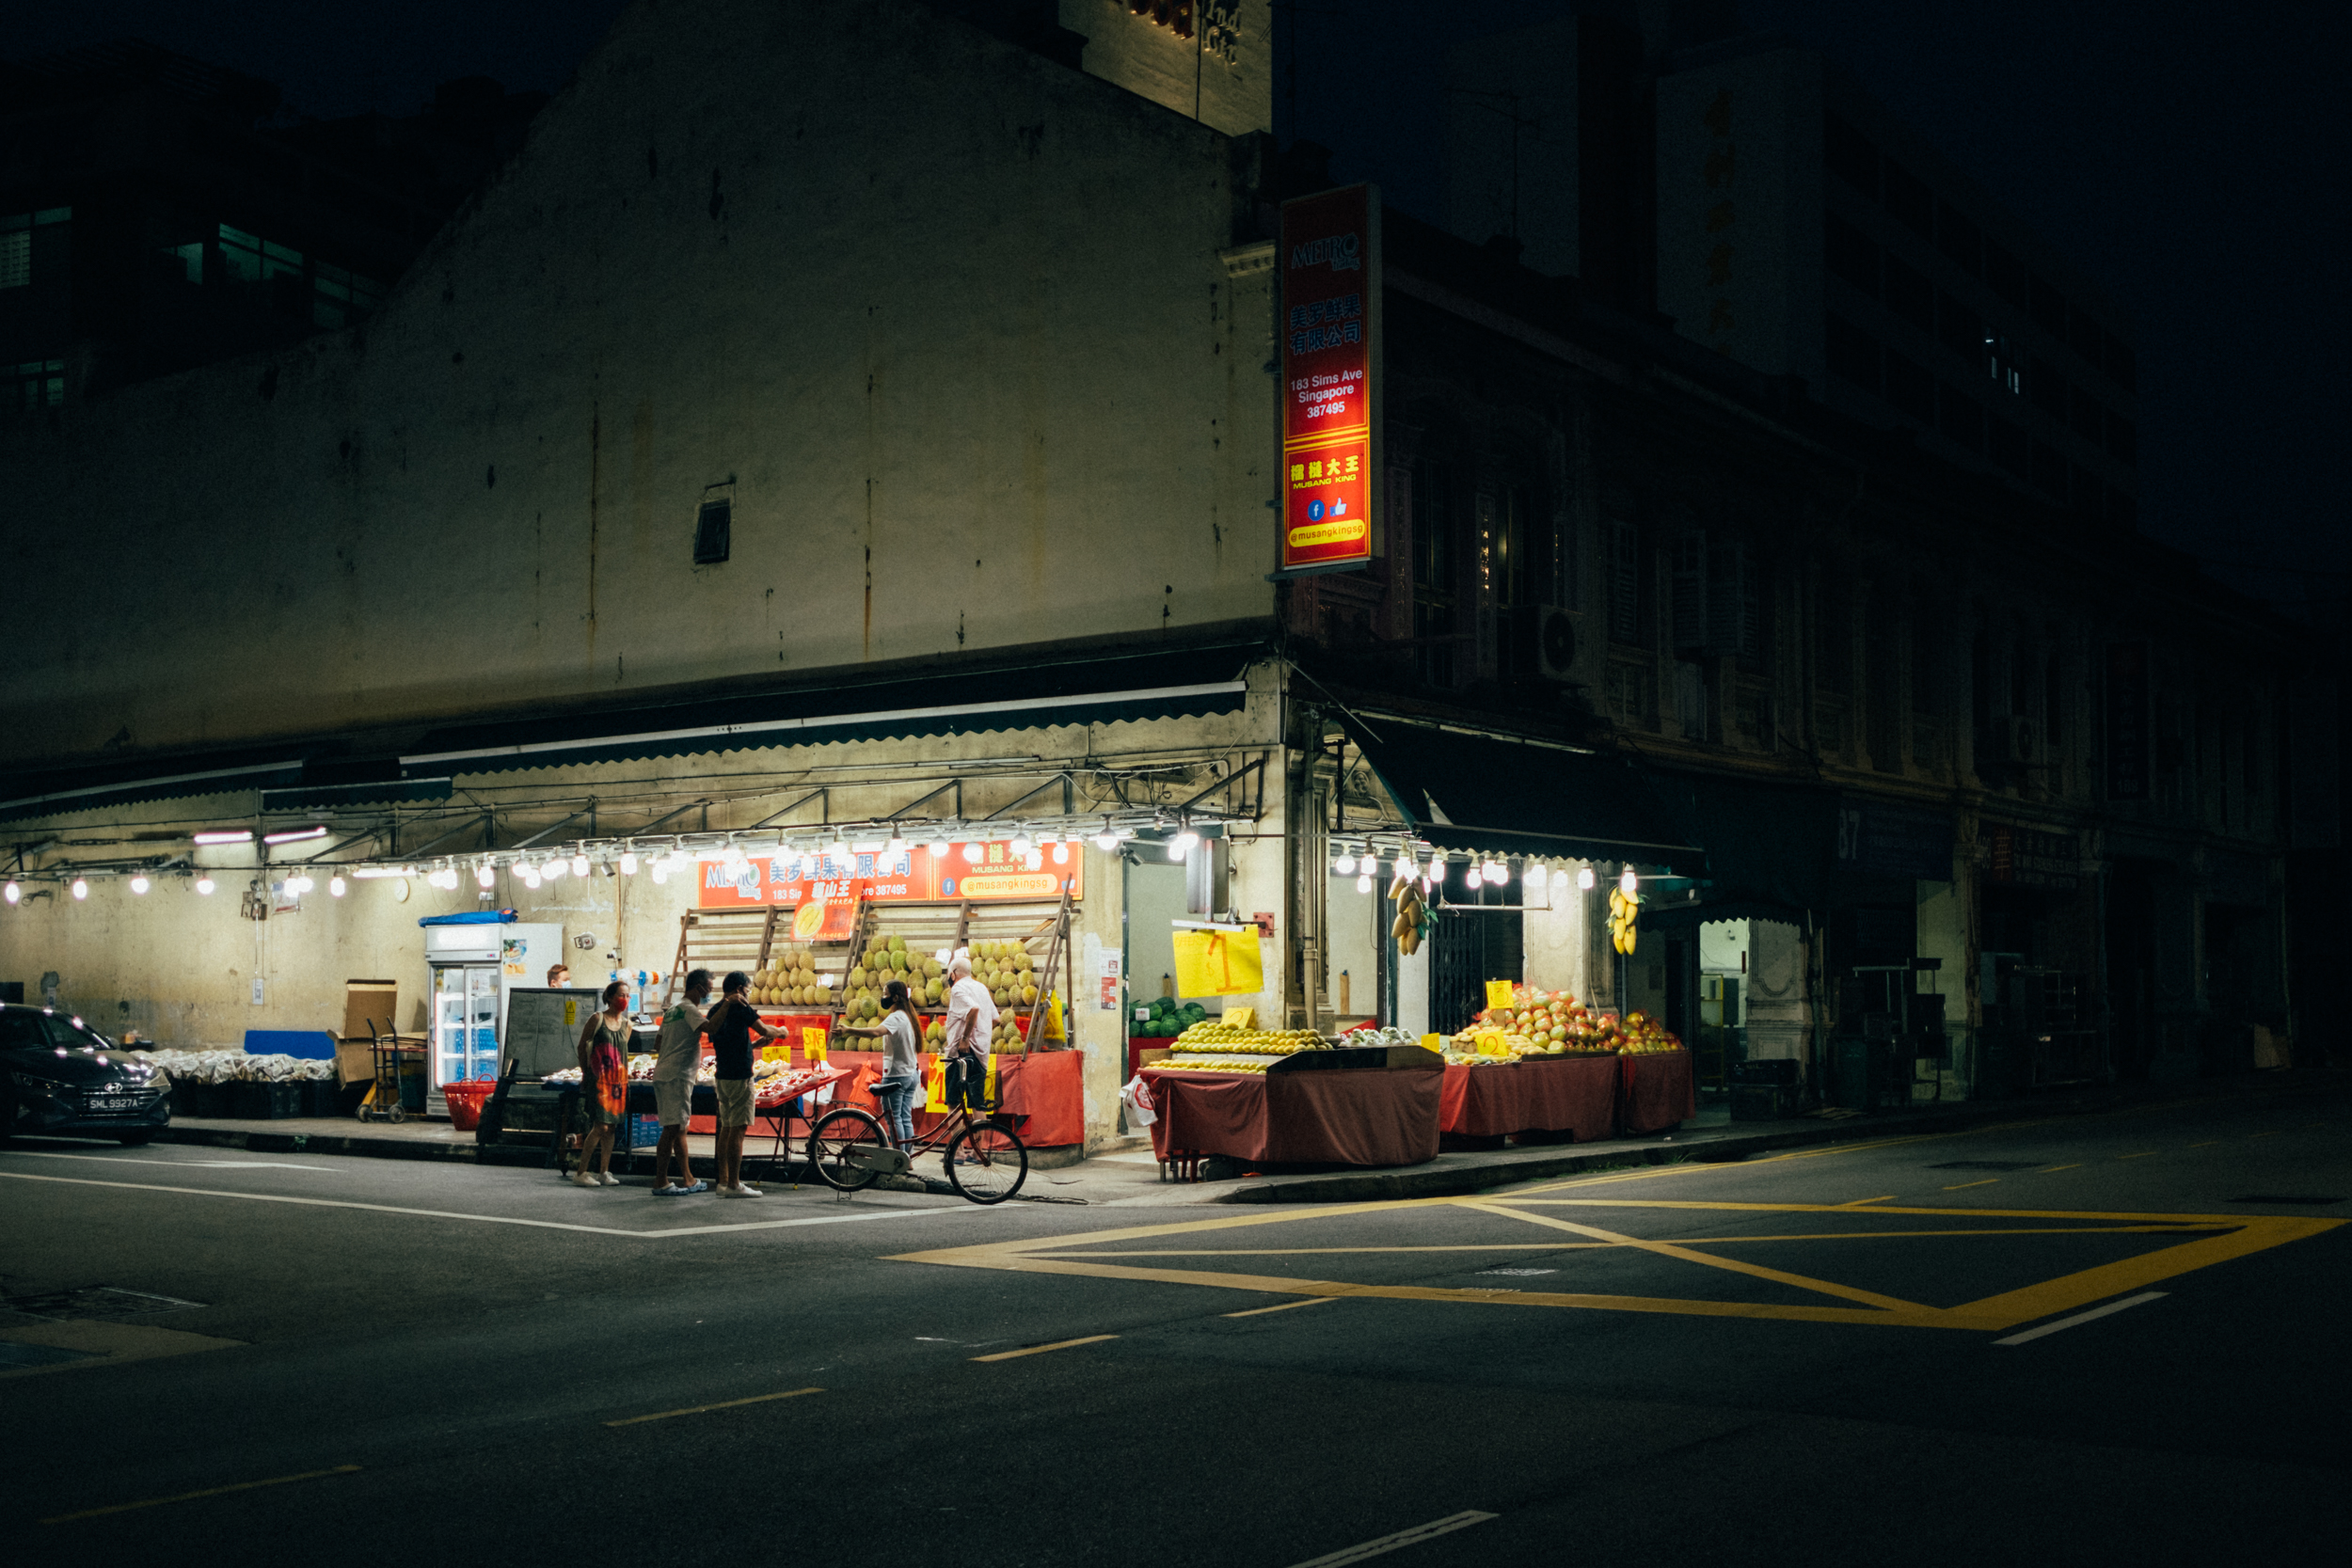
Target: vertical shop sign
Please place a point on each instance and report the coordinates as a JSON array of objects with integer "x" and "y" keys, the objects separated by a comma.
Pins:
[
  {"x": 2127, "y": 723},
  {"x": 1330, "y": 324}
]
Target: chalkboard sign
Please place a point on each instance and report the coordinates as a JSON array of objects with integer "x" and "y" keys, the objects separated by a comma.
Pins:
[{"x": 543, "y": 1028}]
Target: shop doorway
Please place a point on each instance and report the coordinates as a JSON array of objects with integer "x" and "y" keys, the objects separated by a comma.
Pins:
[{"x": 1472, "y": 945}]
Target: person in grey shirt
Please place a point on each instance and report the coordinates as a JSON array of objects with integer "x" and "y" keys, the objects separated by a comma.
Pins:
[
  {"x": 901, "y": 1028},
  {"x": 681, "y": 1055}
]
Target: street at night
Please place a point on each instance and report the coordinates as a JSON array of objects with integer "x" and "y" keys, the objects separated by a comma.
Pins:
[{"x": 1793, "y": 1358}]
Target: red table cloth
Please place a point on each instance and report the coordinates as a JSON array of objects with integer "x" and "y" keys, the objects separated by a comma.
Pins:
[
  {"x": 1553, "y": 1094},
  {"x": 1657, "y": 1091},
  {"x": 1350, "y": 1116}
]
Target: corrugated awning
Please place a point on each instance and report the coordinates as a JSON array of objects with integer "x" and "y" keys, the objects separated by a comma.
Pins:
[
  {"x": 70, "y": 789},
  {"x": 1092, "y": 691},
  {"x": 1503, "y": 796}
]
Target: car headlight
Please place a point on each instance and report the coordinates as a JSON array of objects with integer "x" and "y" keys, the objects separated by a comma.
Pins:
[{"x": 40, "y": 1086}]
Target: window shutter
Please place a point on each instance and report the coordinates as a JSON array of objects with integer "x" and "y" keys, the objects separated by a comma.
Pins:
[{"x": 1691, "y": 628}]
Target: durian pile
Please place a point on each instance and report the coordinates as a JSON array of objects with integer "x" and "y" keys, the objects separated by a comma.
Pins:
[
  {"x": 887, "y": 959},
  {"x": 1008, "y": 971},
  {"x": 791, "y": 983}
]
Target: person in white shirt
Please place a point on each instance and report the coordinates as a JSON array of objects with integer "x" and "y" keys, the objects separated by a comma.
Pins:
[
  {"x": 971, "y": 1025},
  {"x": 901, "y": 1034}
]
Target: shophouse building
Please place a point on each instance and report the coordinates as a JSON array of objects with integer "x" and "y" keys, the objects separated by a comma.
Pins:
[{"x": 794, "y": 478}]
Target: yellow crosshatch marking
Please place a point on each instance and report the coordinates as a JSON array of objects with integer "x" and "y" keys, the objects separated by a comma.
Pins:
[{"x": 2196, "y": 1242}]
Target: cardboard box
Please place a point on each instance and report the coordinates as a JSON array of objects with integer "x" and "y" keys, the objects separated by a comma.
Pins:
[
  {"x": 355, "y": 1059},
  {"x": 369, "y": 1006}
]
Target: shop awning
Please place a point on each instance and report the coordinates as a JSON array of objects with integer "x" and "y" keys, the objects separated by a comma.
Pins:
[
  {"x": 1462, "y": 791},
  {"x": 58, "y": 791},
  {"x": 1097, "y": 690},
  {"x": 1768, "y": 851}
]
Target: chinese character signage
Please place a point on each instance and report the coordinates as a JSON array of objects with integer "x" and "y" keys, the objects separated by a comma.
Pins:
[
  {"x": 827, "y": 892},
  {"x": 1330, "y": 313}
]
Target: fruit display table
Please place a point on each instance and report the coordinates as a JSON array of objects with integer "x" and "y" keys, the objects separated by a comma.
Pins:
[
  {"x": 1575, "y": 1094},
  {"x": 1374, "y": 1116},
  {"x": 1657, "y": 1090}
]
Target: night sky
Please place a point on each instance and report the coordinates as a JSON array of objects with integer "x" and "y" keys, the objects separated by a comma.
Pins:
[{"x": 2189, "y": 157}]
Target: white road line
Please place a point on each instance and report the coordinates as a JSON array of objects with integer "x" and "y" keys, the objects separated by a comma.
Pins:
[
  {"x": 2141, "y": 1300},
  {"x": 491, "y": 1219},
  {"x": 1402, "y": 1537},
  {"x": 135, "y": 1160}
]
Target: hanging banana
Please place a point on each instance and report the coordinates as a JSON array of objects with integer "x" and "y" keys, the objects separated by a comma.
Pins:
[{"x": 1624, "y": 910}]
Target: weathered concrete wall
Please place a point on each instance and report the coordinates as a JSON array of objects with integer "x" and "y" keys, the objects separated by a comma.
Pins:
[
  {"x": 1222, "y": 76},
  {"x": 949, "y": 317}
]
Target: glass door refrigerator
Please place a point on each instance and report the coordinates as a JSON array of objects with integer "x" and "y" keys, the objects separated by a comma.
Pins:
[{"x": 473, "y": 967}]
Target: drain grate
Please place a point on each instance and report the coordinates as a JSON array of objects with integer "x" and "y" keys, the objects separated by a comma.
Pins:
[
  {"x": 1986, "y": 1164},
  {"x": 2311, "y": 1199},
  {"x": 101, "y": 1302}
]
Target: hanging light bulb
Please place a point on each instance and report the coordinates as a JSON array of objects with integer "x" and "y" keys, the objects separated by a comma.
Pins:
[
  {"x": 1585, "y": 879},
  {"x": 660, "y": 871},
  {"x": 1061, "y": 854},
  {"x": 1474, "y": 877},
  {"x": 896, "y": 847},
  {"x": 1184, "y": 844},
  {"x": 555, "y": 867},
  {"x": 1035, "y": 860},
  {"x": 1344, "y": 866},
  {"x": 1021, "y": 845},
  {"x": 1106, "y": 841},
  {"x": 12, "y": 893},
  {"x": 1439, "y": 866},
  {"x": 972, "y": 853},
  {"x": 580, "y": 865},
  {"x": 81, "y": 888},
  {"x": 299, "y": 884},
  {"x": 483, "y": 877},
  {"x": 1363, "y": 883},
  {"x": 204, "y": 885},
  {"x": 629, "y": 862},
  {"x": 529, "y": 873},
  {"x": 336, "y": 887},
  {"x": 1628, "y": 883},
  {"x": 840, "y": 853},
  {"x": 138, "y": 884},
  {"x": 941, "y": 849}
]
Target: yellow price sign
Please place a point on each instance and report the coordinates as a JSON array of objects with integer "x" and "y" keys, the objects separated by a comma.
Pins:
[
  {"x": 1242, "y": 1018},
  {"x": 1491, "y": 1043},
  {"x": 812, "y": 1043},
  {"x": 1499, "y": 993}
]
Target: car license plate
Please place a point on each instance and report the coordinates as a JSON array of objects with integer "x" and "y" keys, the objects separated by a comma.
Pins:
[{"x": 113, "y": 1103}]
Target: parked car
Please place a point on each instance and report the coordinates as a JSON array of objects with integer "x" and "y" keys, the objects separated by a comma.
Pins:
[{"x": 63, "y": 1076}]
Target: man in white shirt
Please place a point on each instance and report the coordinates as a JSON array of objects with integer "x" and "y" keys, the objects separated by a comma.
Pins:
[
  {"x": 971, "y": 1025},
  {"x": 674, "y": 1072}
]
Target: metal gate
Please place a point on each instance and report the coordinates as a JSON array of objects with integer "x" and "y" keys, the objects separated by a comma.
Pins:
[{"x": 1470, "y": 948}]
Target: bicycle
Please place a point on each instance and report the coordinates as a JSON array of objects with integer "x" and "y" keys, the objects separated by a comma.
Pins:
[{"x": 986, "y": 1159}]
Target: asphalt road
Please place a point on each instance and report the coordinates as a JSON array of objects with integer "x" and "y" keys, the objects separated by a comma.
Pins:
[{"x": 2089, "y": 1339}]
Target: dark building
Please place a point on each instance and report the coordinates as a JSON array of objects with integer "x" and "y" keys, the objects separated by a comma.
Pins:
[{"x": 157, "y": 213}]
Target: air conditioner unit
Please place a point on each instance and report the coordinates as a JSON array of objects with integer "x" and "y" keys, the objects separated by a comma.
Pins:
[{"x": 1556, "y": 636}]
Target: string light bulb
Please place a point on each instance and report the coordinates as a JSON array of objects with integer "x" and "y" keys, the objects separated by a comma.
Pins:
[
  {"x": 336, "y": 886},
  {"x": 1628, "y": 883},
  {"x": 204, "y": 885},
  {"x": 81, "y": 888},
  {"x": 138, "y": 884},
  {"x": 1585, "y": 879},
  {"x": 1344, "y": 866}
]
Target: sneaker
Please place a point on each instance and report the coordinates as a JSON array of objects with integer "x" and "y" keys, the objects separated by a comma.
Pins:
[
  {"x": 580, "y": 1179},
  {"x": 736, "y": 1192},
  {"x": 744, "y": 1190},
  {"x": 610, "y": 1180},
  {"x": 692, "y": 1188}
]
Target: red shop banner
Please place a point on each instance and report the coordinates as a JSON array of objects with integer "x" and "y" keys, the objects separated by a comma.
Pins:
[
  {"x": 827, "y": 891},
  {"x": 1330, "y": 254}
]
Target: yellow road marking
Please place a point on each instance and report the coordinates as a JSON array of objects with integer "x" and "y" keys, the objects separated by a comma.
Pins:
[
  {"x": 2047, "y": 1170},
  {"x": 1986, "y": 1182},
  {"x": 2272, "y": 1134},
  {"x": 1282, "y": 1307},
  {"x": 2242, "y": 1235},
  {"x": 1041, "y": 1350},
  {"x": 2207, "y": 1143},
  {"x": 2141, "y": 1155},
  {"x": 1860, "y": 1201},
  {"x": 722, "y": 1404},
  {"x": 2161, "y": 1229},
  {"x": 1668, "y": 1249},
  {"x": 191, "y": 1496}
]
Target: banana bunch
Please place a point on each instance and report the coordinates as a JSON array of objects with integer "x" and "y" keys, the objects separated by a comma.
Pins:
[
  {"x": 1624, "y": 909},
  {"x": 1411, "y": 914}
]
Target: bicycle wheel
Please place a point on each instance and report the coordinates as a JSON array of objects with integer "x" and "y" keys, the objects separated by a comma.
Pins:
[
  {"x": 987, "y": 1162},
  {"x": 832, "y": 1141}
]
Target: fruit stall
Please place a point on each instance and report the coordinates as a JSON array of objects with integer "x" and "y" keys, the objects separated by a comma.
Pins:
[
  {"x": 1537, "y": 1062},
  {"x": 1293, "y": 1097},
  {"x": 817, "y": 967}
]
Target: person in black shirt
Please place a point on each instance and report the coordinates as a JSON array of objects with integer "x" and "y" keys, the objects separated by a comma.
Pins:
[{"x": 730, "y": 1028}]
